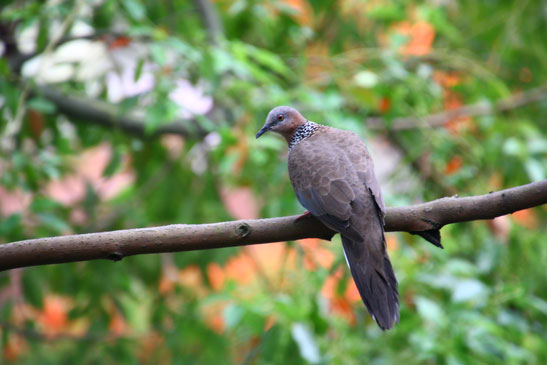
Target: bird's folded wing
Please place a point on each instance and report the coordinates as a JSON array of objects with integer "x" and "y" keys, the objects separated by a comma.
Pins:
[
  {"x": 360, "y": 158},
  {"x": 323, "y": 185}
]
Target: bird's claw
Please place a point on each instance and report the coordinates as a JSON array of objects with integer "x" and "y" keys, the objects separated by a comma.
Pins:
[{"x": 303, "y": 216}]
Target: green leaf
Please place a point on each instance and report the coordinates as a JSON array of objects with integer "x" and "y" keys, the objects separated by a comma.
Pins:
[
  {"x": 138, "y": 69},
  {"x": 387, "y": 12},
  {"x": 135, "y": 9},
  {"x": 536, "y": 170},
  {"x": 307, "y": 345},
  {"x": 32, "y": 287},
  {"x": 159, "y": 54},
  {"x": 429, "y": 310},
  {"x": 267, "y": 59},
  {"x": 42, "y": 105},
  {"x": 10, "y": 224},
  {"x": 4, "y": 67},
  {"x": 232, "y": 315},
  {"x": 114, "y": 163},
  {"x": 44, "y": 204},
  {"x": 43, "y": 33},
  {"x": 469, "y": 290},
  {"x": 53, "y": 222}
]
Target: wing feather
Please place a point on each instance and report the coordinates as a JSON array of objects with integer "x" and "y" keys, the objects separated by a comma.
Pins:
[{"x": 339, "y": 188}]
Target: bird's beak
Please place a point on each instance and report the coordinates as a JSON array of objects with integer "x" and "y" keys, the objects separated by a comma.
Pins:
[{"x": 263, "y": 130}]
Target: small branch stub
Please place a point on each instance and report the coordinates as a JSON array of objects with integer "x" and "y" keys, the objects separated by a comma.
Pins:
[
  {"x": 115, "y": 256},
  {"x": 243, "y": 230}
]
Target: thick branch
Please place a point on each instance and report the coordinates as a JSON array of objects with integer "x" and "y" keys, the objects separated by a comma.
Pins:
[
  {"x": 181, "y": 237},
  {"x": 477, "y": 109}
]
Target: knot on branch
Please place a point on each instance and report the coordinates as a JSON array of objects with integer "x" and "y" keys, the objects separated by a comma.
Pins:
[
  {"x": 115, "y": 256},
  {"x": 243, "y": 230}
]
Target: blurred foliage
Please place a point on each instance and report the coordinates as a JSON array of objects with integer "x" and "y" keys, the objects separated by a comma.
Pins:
[{"x": 481, "y": 300}]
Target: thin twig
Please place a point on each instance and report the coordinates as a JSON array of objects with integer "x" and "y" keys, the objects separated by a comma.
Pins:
[
  {"x": 482, "y": 108},
  {"x": 39, "y": 336}
]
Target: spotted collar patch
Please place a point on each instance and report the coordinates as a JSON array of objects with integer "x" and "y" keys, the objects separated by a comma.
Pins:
[{"x": 304, "y": 131}]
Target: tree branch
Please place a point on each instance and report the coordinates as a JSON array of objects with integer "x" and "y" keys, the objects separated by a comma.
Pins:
[
  {"x": 32, "y": 334},
  {"x": 482, "y": 108},
  {"x": 96, "y": 112},
  {"x": 183, "y": 237},
  {"x": 211, "y": 20}
]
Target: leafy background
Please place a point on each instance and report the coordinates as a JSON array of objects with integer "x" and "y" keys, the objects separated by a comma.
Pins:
[{"x": 217, "y": 68}]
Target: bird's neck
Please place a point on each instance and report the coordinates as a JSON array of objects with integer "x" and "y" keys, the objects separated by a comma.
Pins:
[{"x": 302, "y": 132}]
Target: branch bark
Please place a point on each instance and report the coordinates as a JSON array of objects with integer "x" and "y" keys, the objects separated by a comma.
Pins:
[
  {"x": 483, "y": 108},
  {"x": 182, "y": 237},
  {"x": 96, "y": 112},
  {"x": 211, "y": 20}
]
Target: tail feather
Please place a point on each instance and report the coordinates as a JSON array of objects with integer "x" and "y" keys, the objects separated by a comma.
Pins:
[{"x": 375, "y": 281}]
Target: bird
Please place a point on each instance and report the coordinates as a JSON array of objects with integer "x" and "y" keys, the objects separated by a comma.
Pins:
[{"x": 332, "y": 174}]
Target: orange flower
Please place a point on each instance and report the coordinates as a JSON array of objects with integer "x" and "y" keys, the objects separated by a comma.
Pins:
[
  {"x": 303, "y": 11},
  {"x": 150, "y": 349},
  {"x": 341, "y": 303},
  {"x": 447, "y": 79},
  {"x": 392, "y": 242},
  {"x": 213, "y": 316},
  {"x": 240, "y": 268},
  {"x": 344, "y": 308},
  {"x": 216, "y": 323},
  {"x": 456, "y": 125},
  {"x": 500, "y": 226},
  {"x": 268, "y": 258},
  {"x": 352, "y": 293},
  {"x": 421, "y": 36},
  {"x": 526, "y": 218},
  {"x": 119, "y": 42},
  {"x": 270, "y": 321},
  {"x": 240, "y": 202},
  {"x": 190, "y": 277},
  {"x": 384, "y": 105},
  {"x": 216, "y": 276},
  {"x": 167, "y": 281},
  {"x": 308, "y": 245},
  {"x": 54, "y": 317},
  {"x": 13, "y": 347},
  {"x": 453, "y": 165},
  {"x": 117, "y": 324},
  {"x": 315, "y": 254},
  {"x": 330, "y": 285}
]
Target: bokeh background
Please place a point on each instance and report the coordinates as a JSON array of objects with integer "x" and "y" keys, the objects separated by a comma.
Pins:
[{"x": 135, "y": 113}]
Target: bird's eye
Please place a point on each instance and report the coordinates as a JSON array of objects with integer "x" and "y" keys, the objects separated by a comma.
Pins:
[{"x": 280, "y": 117}]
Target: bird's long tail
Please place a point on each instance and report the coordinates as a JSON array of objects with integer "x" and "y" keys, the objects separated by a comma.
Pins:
[{"x": 375, "y": 280}]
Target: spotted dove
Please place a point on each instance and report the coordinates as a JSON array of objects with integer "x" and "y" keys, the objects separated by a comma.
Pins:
[{"x": 333, "y": 177}]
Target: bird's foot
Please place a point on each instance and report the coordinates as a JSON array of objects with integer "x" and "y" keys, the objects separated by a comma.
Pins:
[{"x": 303, "y": 216}]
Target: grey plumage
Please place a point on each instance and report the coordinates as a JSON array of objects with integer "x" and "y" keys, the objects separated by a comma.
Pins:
[{"x": 333, "y": 177}]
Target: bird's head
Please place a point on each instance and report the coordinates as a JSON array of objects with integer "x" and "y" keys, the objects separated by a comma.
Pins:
[{"x": 283, "y": 120}]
